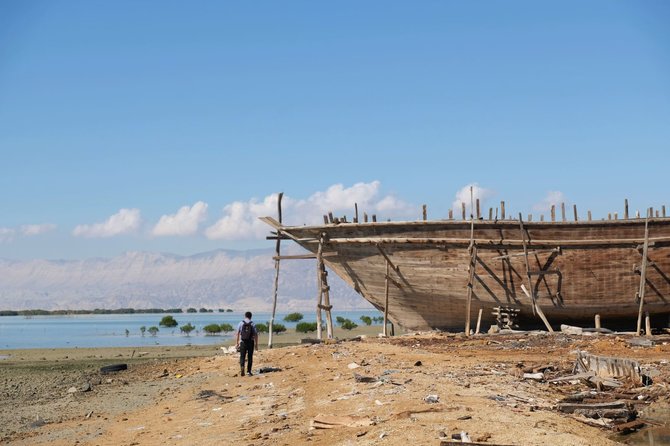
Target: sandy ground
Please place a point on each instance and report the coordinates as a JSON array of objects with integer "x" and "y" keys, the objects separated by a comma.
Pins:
[{"x": 194, "y": 395}]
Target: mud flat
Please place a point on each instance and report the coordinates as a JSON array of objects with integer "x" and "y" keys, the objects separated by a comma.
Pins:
[{"x": 412, "y": 389}]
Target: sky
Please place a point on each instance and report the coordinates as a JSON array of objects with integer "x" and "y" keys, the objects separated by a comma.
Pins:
[{"x": 170, "y": 126}]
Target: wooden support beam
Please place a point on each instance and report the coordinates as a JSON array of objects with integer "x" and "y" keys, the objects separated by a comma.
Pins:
[
  {"x": 490, "y": 213},
  {"x": 355, "y": 212},
  {"x": 589, "y": 215},
  {"x": 616, "y": 215},
  {"x": 574, "y": 208},
  {"x": 365, "y": 217},
  {"x": 374, "y": 218},
  {"x": 502, "y": 210},
  {"x": 530, "y": 217},
  {"x": 303, "y": 256},
  {"x": 395, "y": 282},
  {"x": 471, "y": 277},
  {"x": 643, "y": 276},
  {"x": 563, "y": 211},
  {"x": 541, "y": 217},
  {"x": 386, "y": 300},
  {"x": 479, "y": 321},
  {"x": 536, "y": 308},
  {"x": 553, "y": 212},
  {"x": 276, "y": 282},
  {"x": 478, "y": 214},
  {"x": 663, "y": 211},
  {"x": 451, "y": 214},
  {"x": 388, "y": 259},
  {"x": 625, "y": 209},
  {"x": 597, "y": 321},
  {"x": 425, "y": 213},
  {"x": 319, "y": 293},
  {"x": 647, "y": 324},
  {"x": 463, "y": 209}
]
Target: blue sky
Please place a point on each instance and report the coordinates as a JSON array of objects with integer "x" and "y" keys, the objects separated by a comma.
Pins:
[{"x": 167, "y": 126}]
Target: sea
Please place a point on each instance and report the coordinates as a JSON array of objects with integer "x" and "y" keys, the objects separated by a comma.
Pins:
[{"x": 109, "y": 330}]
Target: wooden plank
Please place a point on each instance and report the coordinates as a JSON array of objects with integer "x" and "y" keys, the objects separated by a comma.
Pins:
[
  {"x": 533, "y": 252},
  {"x": 471, "y": 274},
  {"x": 643, "y": 275},
  {"x": 479, "y": 321}
]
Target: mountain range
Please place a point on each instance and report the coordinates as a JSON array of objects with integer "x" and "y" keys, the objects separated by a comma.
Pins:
[{"x": 217, "y": 279}]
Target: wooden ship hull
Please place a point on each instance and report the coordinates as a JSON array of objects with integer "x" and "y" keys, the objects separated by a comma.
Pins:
[{"x": 439, "y": 274}]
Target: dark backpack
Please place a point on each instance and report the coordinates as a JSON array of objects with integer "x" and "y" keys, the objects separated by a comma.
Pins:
[{"x": 246, "y": 331}]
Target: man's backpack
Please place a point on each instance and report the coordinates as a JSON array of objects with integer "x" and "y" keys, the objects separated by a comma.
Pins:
[{"x": 246, "y": 331}]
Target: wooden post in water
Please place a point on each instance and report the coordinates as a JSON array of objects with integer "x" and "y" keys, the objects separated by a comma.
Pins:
[
  {"x": 643, "y": 275},
  {"x": 386, "y": 301},
  {"x": 276, "y": 283}
]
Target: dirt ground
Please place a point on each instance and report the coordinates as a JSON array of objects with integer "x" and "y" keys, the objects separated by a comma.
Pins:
[{"x": 369, "y": 392}]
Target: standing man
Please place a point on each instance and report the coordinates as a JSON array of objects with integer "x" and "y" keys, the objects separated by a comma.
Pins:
[{"x": 246, "y": 339}]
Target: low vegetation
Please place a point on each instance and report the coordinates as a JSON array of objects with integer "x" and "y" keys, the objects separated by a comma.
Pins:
[
  {"x": 168, "y": 322},
  {"x": 305, "y": 327},
  {"x": 293, "y": 317}
]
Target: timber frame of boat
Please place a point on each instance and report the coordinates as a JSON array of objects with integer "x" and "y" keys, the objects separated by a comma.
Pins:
[{"x": 443, "y": 271}]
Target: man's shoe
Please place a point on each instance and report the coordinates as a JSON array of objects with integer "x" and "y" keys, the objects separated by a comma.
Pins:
[
  {"x": 242, "y": 372},
  {"x": 249, "y": 373}
]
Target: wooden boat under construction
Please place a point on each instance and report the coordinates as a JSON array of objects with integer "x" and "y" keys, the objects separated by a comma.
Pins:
[{"x": 439, "y": 274}]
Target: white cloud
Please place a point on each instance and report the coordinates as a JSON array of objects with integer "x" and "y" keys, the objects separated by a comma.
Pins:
[
  {"x": 30, "y": 230},
  {"x": 240, "y": 219},
  {"x": 125, "y": 221},
  {"x": 6, "y": 234},
  {"x": 463, "y": 196},
  {"x": 552, "y": 198},
  {"x": 184, "y": 222}
]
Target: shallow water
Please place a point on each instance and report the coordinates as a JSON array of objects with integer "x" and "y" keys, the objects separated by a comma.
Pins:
[
  {"x": 109, "y": 330},
  {"x": 654, "y": 435}
]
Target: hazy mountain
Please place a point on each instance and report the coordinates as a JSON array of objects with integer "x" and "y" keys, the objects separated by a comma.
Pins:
[{"x": 216, "y": 279}]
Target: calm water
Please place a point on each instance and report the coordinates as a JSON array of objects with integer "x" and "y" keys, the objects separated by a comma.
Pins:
[{"x": 106, "y": 330}]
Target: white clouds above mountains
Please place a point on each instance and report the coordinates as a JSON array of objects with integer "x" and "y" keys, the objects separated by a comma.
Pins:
[
  {"x": 240, "y": 219},
  {"x": 552, "y": 198},
  {"x": 126, "y": 221},
  {"x": 6, "y": 235},
  {"x": 463, "y": 196},
  {"x": 185, "y": 222},
  {"x": 37, "y": 229}
]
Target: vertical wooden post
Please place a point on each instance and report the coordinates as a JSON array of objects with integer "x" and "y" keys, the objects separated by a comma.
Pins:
[
  {"x": 574, "y": 207},
  {"x": 589, "y": 215},
  {"x": 625, "y": 209},
  {"x": 541, "y": 217},
  {"x": 479, "y": 320},
  {"x": 451, "y": 214},
  {"x": 330, "y": 217},
  {"x": 365, "y": 217},
  {"x": 355, "y": 212},
  {"x": 479, "y": 214},
  {"x": 374, "y": 218},
  {"x": 609, "y": 215},
  {"x": 663, "y": 211},
  {"x": 563, "y": 211},
  {"x": 425, "y": 213},
  {"x": 386, "y": 300},
  {"x": 471, "y": 285},
  {"x": 643, "y": 275},
  {"x": 530, "y": 217},
  {"x": 597, "y": 321},
  {"x": 276, "y": 283},
  {"x": 463, "y": 209},
  {"x": 502, "y": 210},
  {"x": 657, "y": 213},
  {"x": 651, "y": 212},
  {"x": 536, "y": 307},
  {"x": 616, "y": 215},
  {"x": 319, "y": 290},
  {"x": 553, "y": 212},
  {"x": 490, "y": 213},
  {"x": 647, "y": 324}
]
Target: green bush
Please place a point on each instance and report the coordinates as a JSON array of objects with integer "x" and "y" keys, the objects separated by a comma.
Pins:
[
  {"x": 212, "y": 329},
  {"x": 293, "y": 317},
  {"x": 278, "y": 328},
  {"x": 340, "y": 320},
  {"x": 191, "y": 310},
  {"x": 153, "y": 330},
  {"x": 304, "y": 327},
  {"x": 227, "y": 328},
  {"x": 262, "y": 328},
  {"x": 367, "y": 320},
  {"x": 188, "y": 328},
  {"x": 348, "y": 325},
  {"x": 168, "y": 321}
]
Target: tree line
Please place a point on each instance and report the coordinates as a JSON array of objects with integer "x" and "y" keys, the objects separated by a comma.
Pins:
[{"x": 39, "y": 312}]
